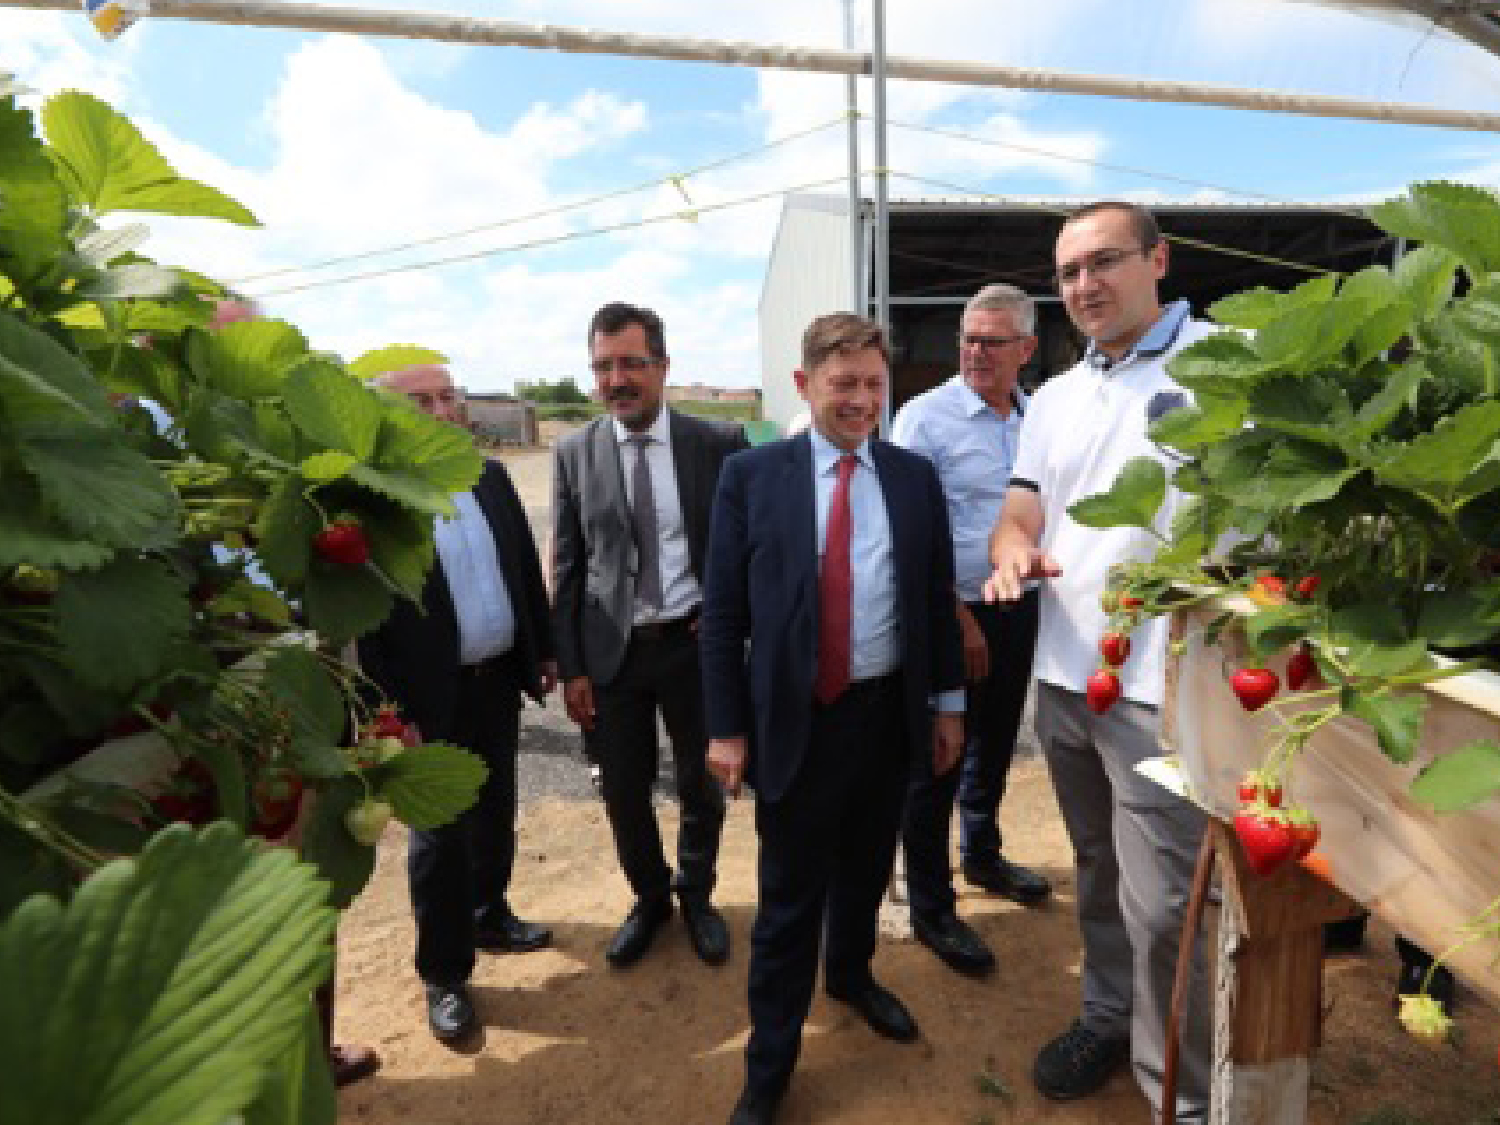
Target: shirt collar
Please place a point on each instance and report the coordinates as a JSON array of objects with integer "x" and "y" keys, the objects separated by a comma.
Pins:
[
  {"x": 972, "y": 404},
  {"x": 1158, "y": 338},
  {"x": 826, "y": 455},
  {"x": 659, "y": 430}
]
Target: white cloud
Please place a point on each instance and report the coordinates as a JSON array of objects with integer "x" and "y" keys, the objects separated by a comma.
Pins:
[{"x": 50, "y": 51}]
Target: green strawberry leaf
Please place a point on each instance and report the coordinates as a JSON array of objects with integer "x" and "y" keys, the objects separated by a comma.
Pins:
[
  {"x": 31, "y": 533},
  {"x": 1460, "y": 779},
  {"x": 299, "y": 1085},
  {"x": 1437, "y": 463},
  {"x": 107, "y": 165},
  {"x": 1425, "y": 278},
  {"x": 103, "y": 489},
  {"x": 343, "y": 603},
  {"x": 430, "y": 785},
  {"x": 300, "y": 684},
  {"x": 1396, "y": 720},
  {"x": 170, "y": 981},
  {"x": 248, "y": 359},
  {"x": 1459, "y": 218},
  {"x": 330, "y": 406},
  {"x": 394, "y": 358},
  {"x": 340, "y": 859},
  {"x": 118, "y": 624},
  {"x": 1132, "y": 501},
  {"x": 33, "y": 205}
]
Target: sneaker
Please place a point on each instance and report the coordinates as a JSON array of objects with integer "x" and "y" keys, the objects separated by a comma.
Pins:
[{"x": 1078, "y": 1062}]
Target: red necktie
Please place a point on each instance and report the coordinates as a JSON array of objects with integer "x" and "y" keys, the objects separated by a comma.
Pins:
[{"x": 835, "y": 592}]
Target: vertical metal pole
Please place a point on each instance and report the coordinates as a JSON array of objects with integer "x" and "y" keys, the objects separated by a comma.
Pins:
[
  {"x": 859, "y": 300},
  {"x": 882, "y": 264}
]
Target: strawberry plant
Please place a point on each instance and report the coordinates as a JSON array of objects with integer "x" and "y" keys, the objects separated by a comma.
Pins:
[
  {"x": 171, "y": 608},
  {"x": 1338, "y": 472}
]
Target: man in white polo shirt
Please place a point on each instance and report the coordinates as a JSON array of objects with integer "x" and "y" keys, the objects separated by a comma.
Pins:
[{"x": 1134, "y": 843}]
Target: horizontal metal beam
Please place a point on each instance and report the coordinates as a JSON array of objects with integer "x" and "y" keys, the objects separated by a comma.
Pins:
[{"x": 471, "y": 29}]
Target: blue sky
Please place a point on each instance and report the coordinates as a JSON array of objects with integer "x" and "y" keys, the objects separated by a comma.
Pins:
[{"x": 343, "y": 146}]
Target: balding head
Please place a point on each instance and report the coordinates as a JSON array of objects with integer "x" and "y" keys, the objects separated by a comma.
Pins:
[{"x": 430, "y": 388}]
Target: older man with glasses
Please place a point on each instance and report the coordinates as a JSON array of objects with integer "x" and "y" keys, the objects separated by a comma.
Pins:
[
  {"x": 969, "y": 428},
  {"x": 631, "y": 497},
  {"x": 1134, "y": 843}
]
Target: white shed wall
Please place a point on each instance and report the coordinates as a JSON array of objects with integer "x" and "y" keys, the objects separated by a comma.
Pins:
[{"x": 808, "y": 275}]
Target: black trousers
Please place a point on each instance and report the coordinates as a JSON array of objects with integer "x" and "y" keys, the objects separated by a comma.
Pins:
[
  {"x": 991, "y": 721},
  {"x": 659, "y": 674},
  {"x": 459, "y": 873},
  {"x": 826, "y": 851}
]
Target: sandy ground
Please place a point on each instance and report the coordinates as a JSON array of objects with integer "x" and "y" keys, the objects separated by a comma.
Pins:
[{"x": 567, "y": 1039}]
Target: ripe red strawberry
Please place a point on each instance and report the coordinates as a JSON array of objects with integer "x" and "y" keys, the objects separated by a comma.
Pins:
[
  {"x": 1103, "y": 691},
  {"x": 388, "y": 724},
  {"x": 1255, "y": 687},
  {"x": 1128, "y": 602},
  {"x": 1300, "y": 669},
  {"x": 277, "y": 797},
  {"x": 1115, "y": 648},
  {"x": 1305, "y": 833},
  {"x": 1307, "y": 587},
  {"x": 1268, "y": 840},
  {"x": 1271, "y": 584},
  {"x": 343, "y": 542}
]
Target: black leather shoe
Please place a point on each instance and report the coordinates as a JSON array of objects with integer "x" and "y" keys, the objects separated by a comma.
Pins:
[
  {"x": 880, "y": 1008},
  {"x": 634, "y": 936},
  {"x": 512, "y": 936},
  {"x": 707, "y": 930},
  {"x": 955, "y": 941},
  {"x": 755, "y": 1108},
  {"x": 450, "y": 1012},
  {"x": 1002, "y": 877},
  {"x": 1078, "y": 1062}
]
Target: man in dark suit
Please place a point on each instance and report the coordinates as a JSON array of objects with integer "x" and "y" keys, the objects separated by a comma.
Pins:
[
  {"x": 630, "y": 508},
  {"x": 819, "y": 682},
  {"x": 457, "y": 665}
]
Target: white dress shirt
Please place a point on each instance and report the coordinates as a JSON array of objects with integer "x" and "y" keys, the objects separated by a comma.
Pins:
[
  {"x": 680, "y": 594},
  {"x": 466, "y": 549}
]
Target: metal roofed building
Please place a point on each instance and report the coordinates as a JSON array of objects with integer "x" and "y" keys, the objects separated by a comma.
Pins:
[{"x": 942, "y": 250}]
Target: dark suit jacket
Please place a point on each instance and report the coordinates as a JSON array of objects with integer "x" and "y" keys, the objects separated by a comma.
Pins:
[
  {"x": 762, "y": 588},
  {"x": 594, "y": 559},
  {"x": 413, "y": 656}
]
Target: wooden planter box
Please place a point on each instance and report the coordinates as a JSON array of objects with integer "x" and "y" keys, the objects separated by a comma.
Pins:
[{"x": 1425, "y": 874}]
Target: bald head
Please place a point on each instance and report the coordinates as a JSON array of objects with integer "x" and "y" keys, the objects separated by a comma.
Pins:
[{"x": 430, "y": 388}]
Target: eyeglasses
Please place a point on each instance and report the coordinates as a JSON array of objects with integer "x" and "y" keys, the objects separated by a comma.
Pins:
[
  {"x": 631, "y": 363},
  {"x": 1105, "y": 261},
  {"x": 987, "y": 343}
]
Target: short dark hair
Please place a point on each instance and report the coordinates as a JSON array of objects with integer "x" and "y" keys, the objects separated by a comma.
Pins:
[
  {"x": 840, "y": 333},
  {"x": 1144, "y": 222},
  {"x": 617, "y": 316}
]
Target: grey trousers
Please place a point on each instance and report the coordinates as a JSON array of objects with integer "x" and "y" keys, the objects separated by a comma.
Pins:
[{"x": 1135, "y": 846}]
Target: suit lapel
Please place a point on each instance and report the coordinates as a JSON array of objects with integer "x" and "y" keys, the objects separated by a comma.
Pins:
[
  {"x": 685, "y": 447},
  {"x": 609, "y": 471},
  {"x": 897, "y": 512},
  {"x": 801, "y": 496}
]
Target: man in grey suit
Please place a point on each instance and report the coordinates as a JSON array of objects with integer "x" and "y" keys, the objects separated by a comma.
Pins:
[{"x": 631, "y": 497}]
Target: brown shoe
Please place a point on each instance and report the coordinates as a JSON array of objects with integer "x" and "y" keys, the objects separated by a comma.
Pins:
[{"x": 351, "y": 1062}]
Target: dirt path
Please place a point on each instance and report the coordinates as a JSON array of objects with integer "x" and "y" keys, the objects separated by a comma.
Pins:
[{"x": 566, "y": 1039}]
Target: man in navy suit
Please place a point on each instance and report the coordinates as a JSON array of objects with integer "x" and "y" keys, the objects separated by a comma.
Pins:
[{"x": 829, "y": 634}]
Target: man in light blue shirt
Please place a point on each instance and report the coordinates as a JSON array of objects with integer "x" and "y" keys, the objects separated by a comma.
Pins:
[{"x": 969, "y": 428}]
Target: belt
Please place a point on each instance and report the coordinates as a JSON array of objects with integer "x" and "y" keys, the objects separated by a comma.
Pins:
[
  {"x": 487, "y": 664},
  {"x": 664, "y": 630},
  {"x": 871, "y": 686}
]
